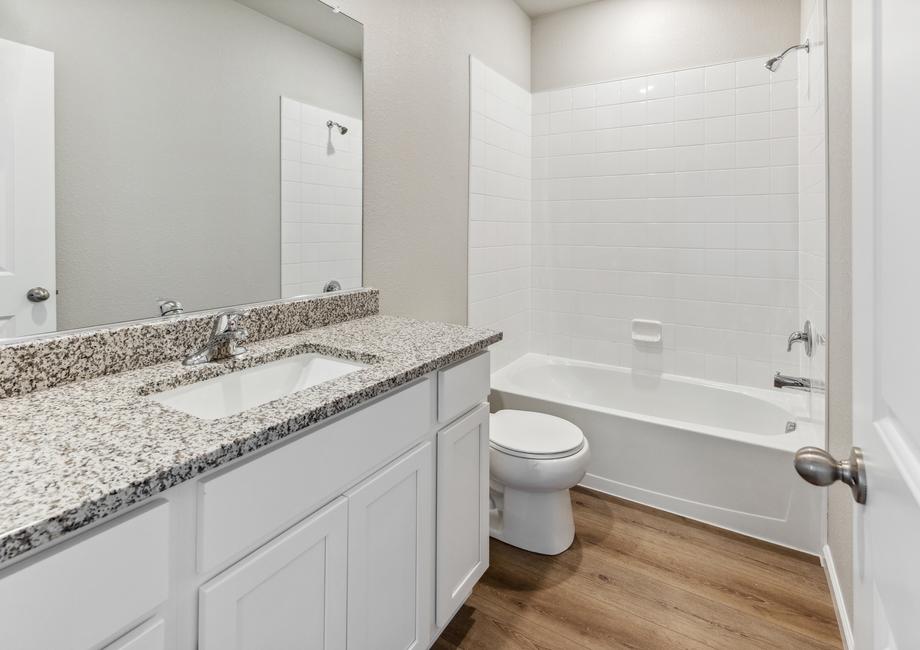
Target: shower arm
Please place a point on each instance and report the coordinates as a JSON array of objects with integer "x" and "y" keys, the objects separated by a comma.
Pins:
[{"x": 802, "y": 46}]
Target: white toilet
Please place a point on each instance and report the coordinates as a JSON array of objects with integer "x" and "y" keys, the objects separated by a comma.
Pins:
[{"x": 534, "y": 459}]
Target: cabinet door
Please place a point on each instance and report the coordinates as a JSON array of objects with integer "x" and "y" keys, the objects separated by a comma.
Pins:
[
  {"x": 390, "y": 531},
  {"x": 149, "y": 636},
  {"x": 288, "y": 594},
  {"x": 463, "y": 510}
]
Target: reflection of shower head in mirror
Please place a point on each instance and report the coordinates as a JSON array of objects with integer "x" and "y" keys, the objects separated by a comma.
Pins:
[
  {"x": 773, "y": 64},
  {"x": 342, "y": 129}
]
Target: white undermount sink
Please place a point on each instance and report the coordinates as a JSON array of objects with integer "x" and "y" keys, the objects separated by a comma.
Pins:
[{"x": 245, "y": 389}]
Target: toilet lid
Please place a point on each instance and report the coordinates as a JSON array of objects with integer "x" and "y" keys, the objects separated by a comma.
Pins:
[{"x": 534, "y": 435}]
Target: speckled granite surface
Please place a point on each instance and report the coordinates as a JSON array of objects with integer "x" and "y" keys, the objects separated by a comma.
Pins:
[
  {"x": 71, "y": 356},
  {"x": 83, "y": 451}
]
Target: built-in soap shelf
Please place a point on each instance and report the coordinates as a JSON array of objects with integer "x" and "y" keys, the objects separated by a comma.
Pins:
[{"x": 646, "y": 331}]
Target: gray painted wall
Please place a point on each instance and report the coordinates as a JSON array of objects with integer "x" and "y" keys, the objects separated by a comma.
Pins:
[
  {"x": 840, "y": 334},
  {"x": 416, "y": 155},
  {"x": 615, "y": 39},
  {"x": 168, "y": 165}
]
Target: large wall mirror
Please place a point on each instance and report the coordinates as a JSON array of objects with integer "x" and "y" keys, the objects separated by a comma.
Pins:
[{"x": 158, "y": 153}]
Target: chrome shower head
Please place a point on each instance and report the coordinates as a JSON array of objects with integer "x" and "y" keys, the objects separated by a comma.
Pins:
[
  {"x": 342, "y": 129},
  {"x": 773, "y": 64}
]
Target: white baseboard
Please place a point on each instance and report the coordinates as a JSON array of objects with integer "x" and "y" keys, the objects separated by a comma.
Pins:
[{"x": 843, "y": 618}]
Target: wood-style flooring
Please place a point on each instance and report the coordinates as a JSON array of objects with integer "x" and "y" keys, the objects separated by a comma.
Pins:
[{"x": 640, "y": 578}]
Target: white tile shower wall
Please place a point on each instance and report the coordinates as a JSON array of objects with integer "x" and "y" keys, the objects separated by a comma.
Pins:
[
  {"x": 671, "y": 197},
  {"x": 320, "y": 199},
  {"x": 813, "y": 196},
  {"x": 500, "y": 214}
]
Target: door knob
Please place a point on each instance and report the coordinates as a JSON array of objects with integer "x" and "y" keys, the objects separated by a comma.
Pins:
[
  {"x": 820, "y": 468},
  {"x": 38, "y": 294}
]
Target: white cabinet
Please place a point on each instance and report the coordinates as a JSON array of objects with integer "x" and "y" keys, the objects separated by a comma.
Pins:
[
  {"x": 246, "y": 504},
  {"x": 149, "y": 636},
  {"x": 87, "y": 590},
  {"x": 288, "y": 594},
  {"x": 236, "y": 560},
  {"x": 390, "y": 535},
  {"x": 462, "y": 386},
  {"x": 463, "y": 510}
]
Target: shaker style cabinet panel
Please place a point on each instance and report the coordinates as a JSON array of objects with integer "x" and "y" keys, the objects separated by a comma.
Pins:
[
  {"x": 462, "y": 510},
  {"x": 250, "y": 502},
  {"x": 149, "y": 636},
  {"x": 291, "y": 593},
  {"x": 89, "y": 589},
  {"x": 390, "y": 537}
]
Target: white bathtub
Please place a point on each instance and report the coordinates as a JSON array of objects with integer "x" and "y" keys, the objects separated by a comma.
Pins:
[{"x": 713, "y": 452}]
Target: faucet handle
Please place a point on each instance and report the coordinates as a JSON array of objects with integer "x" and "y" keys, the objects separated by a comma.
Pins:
[
  {"x": 233, "y": 318},
  {"x": 795, "y": 337},
  {"x": 227, "y": 321},
  {"x": 806, "y": 336}
]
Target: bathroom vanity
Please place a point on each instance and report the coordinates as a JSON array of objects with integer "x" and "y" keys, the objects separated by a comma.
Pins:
[
  {"x": 310, "y": 474},
  {"x": 351, "y": 513}
]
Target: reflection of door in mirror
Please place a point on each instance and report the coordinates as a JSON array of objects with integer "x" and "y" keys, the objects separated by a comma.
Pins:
[{"x": 27, "y": 284}]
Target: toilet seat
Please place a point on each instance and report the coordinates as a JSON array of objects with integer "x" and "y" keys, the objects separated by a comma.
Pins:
[{"x": 537, "y": 436}]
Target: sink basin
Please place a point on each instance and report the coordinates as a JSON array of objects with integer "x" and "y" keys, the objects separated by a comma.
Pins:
[{"x": 238, "y": 391}]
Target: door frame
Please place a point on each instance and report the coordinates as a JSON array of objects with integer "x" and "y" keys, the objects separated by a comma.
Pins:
[{"x": 862, "y": 250}]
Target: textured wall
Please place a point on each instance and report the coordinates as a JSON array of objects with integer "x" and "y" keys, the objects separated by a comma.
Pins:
[
  {"x": 416, "y": 157},
  {"x": 613, "y": 39}
]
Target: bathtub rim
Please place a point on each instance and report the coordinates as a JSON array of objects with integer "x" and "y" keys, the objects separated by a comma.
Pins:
[{"x": 808, "y": 432}]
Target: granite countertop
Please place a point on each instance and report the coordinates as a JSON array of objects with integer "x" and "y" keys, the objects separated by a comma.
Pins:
[{"x": 72, "y": 455}]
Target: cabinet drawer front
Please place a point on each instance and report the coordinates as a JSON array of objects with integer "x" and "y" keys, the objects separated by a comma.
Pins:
[
  {"x": 462, "y": 386},
  {"x": 245, "y": 505},
  {"x": 90, "y": 588},
  {"x": 288, "y": 594},
  {"x": 149, "y": 636}
]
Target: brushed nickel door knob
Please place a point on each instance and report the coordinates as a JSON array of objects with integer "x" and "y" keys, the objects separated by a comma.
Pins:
[
  {"x": 818, "y": 467},
  {"x": 38, "y": 294}
]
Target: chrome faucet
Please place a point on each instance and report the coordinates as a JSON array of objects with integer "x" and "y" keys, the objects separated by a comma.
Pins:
[
  {"x": 224, "y": 341},
  {"x": 798, "y": 383}
]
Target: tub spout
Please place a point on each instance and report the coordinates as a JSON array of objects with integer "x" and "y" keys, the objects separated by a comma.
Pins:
[{"x": 798, "y": 383}]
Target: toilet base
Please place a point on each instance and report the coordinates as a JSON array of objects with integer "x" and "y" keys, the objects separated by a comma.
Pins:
[{"x": 540, "y": 522}]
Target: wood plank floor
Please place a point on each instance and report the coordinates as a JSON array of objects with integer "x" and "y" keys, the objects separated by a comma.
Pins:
[{"x": 640, "y": 578}]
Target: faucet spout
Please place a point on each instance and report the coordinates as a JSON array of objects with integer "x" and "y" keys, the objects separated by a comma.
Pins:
[{"x": 798, "y": 383}]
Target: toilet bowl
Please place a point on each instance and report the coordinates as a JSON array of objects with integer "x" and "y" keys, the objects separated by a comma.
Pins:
[{"x": 534, "y": 459}]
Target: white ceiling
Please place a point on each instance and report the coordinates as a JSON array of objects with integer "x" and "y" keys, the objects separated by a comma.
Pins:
[
  {"x": 316, "y": 19},
  {"x": 534, "y": 8}
]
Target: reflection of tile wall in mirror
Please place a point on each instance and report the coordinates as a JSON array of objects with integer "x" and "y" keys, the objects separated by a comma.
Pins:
[{"x": 320, "y": 199}]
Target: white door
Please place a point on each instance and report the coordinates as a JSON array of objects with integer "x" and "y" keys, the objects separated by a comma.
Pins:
[
  {"x": 463, "y": 510},
  {"x": 390, "y": 562},
  {"x": 886, "y": 321},
  {"x": 289, "y": 594},
  {"x": 26, "y": 190}
]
